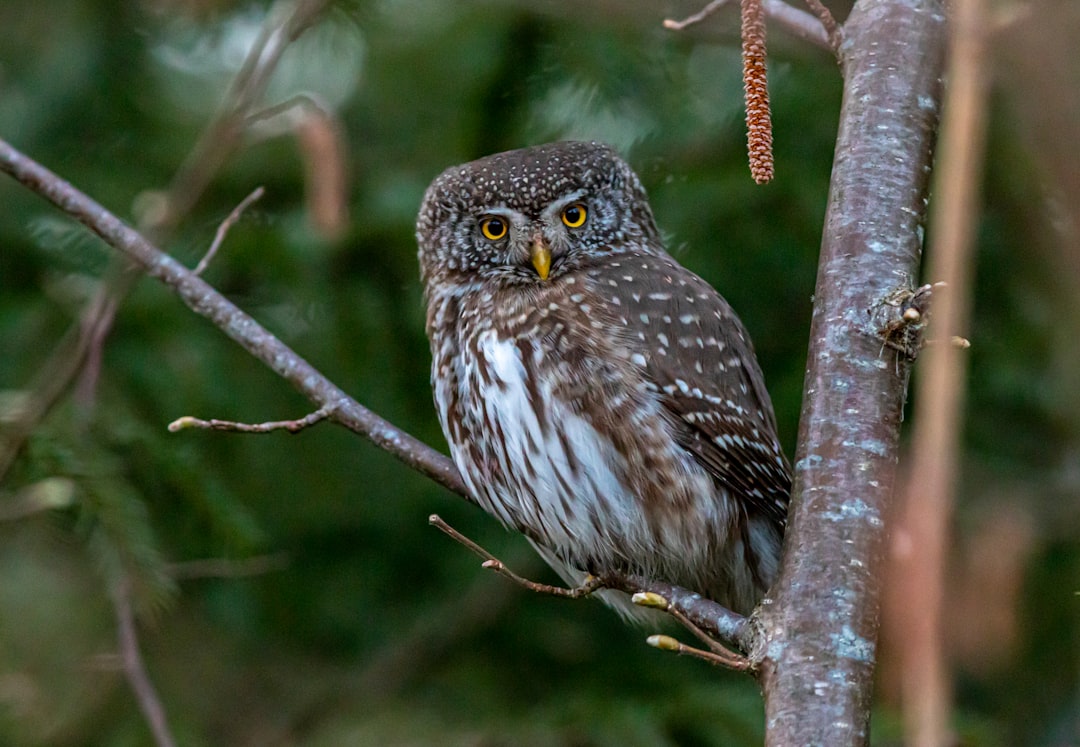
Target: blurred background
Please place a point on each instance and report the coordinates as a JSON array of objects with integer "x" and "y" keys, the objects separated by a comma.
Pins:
[{"x": 287, "y": 588}]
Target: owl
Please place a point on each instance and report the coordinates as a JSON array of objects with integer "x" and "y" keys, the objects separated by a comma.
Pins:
[{"x": 597, "y": 396}]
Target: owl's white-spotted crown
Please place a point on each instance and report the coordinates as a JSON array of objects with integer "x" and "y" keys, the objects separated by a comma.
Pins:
[{"x": 529, "y": 189}]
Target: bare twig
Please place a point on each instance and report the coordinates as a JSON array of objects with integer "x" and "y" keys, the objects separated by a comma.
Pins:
[
  {"x": 799, "y": 23},
  {"x": 698, "y": 17},
  {"x": 293, "y": 426},
  {"x": 730, "y": 660},
  {"x": 134, "y": 670},
  {"x": 832, "y": 29},
  {"x": 223, "y": 229},
  {"x": 492, "y": 563},
  {"x": 591, "y": 583}
]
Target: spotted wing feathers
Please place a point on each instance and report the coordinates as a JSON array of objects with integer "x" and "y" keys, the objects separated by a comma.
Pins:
[{"x": 698, "y": 357}]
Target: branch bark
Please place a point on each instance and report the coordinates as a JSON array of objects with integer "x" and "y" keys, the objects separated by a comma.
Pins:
[
  {"x": 207, "y": 302},
  {"x": 819, "y": 629}
]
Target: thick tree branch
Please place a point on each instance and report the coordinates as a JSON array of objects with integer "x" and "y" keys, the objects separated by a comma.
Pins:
[
  {"x": 207, "y": 302},
  {"x": 819, "y": 632}
]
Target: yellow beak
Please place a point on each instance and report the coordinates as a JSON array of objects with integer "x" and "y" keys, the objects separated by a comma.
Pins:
[{"x": 541, "y": 259}]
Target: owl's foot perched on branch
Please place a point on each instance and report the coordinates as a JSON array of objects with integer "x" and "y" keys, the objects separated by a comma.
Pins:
[{"x": 704, "y": 618}]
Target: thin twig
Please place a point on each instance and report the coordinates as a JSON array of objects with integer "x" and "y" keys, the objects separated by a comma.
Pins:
[
  {"x": 590, "y": 585},
  {"x": 832, "y": 29},
  {"x": 799, "y": 23},
  {"x": 698, "y": 17},
  {"x": 728, "y": 659},
  {"x": 293, "y": 426},
  {"x": 134, "y": 669},
  {"x": 223, "y": 229},
  {"x": 655, "y": 601}
]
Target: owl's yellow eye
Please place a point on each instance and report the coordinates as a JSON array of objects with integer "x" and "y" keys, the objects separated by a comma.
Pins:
[
  {"x": 573, "y": 216},
  {"x": 493, "y": 227}
]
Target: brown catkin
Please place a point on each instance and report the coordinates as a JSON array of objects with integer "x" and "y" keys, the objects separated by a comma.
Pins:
[{"x": 756, "y": 87}]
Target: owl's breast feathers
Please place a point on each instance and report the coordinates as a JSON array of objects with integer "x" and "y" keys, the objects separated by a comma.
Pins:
[{"x": 596, "y": 410}]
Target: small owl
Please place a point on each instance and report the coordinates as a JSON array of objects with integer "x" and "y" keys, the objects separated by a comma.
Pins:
[{"x": 596, "y": 395}]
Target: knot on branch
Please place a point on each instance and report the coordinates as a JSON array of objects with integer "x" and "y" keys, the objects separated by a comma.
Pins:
[{"x": 901, "y": 316}]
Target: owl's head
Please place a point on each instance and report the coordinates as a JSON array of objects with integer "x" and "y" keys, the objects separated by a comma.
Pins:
[{"x": 530, "y": 216}]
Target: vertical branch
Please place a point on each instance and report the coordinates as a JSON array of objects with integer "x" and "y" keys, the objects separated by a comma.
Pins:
[
  {"x": 222, "y": 135},
  {"x": 819, "y": 629},
  {"x": 756, "y": 92},
  {"x": 134, "y": 670},
  {"x": 935, "y": 445}
]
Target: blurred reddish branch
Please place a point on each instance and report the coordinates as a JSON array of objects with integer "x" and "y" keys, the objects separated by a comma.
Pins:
[
  {"x": 939, "y": 394},
  {"x": 134, "y": 669}
]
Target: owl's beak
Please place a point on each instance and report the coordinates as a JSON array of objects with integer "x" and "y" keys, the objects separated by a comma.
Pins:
[{"x": 541, "y": 258}]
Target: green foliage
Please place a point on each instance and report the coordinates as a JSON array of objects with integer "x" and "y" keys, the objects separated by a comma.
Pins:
[{"x": 378, "y": 630}]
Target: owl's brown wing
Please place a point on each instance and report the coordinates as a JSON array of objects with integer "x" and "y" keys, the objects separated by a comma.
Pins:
[{"x": 698, "y": 357}]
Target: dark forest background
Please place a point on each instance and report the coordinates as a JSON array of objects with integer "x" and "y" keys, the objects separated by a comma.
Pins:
[{"x": 336, "y": 614}]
